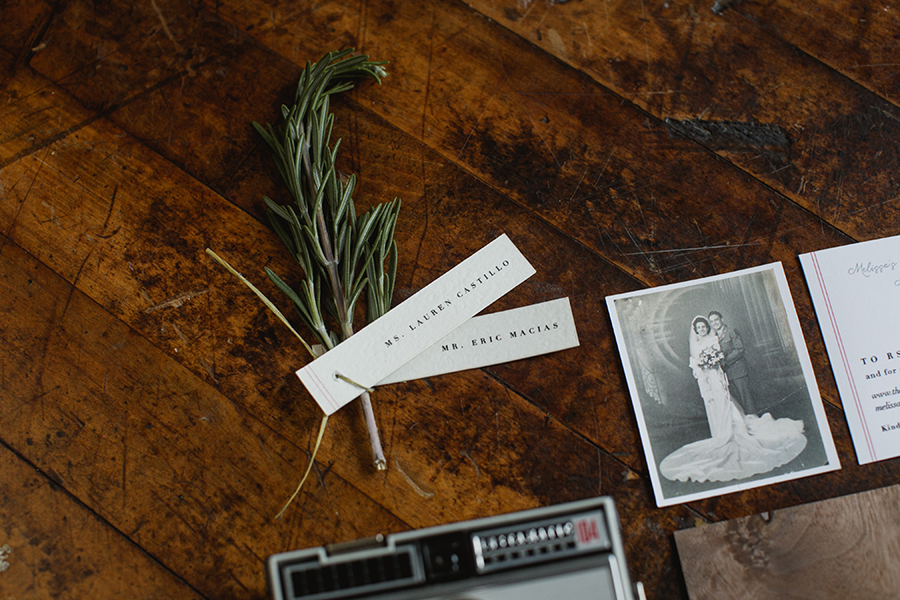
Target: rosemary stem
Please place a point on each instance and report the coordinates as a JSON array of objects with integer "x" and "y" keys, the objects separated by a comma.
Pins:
[
  {"x": 365, "y": 401},
  {"x": 347, "y": 330},
  {"x": 372, "y": 428},
  {"x": 324, "y": 238},
  {"x": 346, "y": 324}
]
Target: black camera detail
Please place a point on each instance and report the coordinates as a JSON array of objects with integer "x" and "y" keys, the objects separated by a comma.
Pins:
[{"x": 447, "y": 557}]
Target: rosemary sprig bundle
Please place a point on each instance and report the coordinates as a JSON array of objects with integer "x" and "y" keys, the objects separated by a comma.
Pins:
[{"x": 341, "y": 254}]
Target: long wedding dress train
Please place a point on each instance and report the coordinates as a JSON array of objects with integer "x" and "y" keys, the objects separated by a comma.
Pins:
[{"x": 740, "y": 446}]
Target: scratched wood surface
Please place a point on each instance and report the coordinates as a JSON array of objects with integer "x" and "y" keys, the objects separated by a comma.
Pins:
[{"x": 150, "y": 422}]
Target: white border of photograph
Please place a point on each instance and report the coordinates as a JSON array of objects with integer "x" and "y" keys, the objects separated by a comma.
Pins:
[{"x": 652, "y": 328}]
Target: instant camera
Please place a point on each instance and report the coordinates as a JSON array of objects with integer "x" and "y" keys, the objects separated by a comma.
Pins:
[{"x": 569, "y": 551}]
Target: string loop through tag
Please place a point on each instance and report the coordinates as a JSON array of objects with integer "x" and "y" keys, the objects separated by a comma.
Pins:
[{"x": 351, "y": 382}]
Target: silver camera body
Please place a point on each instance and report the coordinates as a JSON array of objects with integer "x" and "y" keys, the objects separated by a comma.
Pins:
[{"x": 569, "y": 551}]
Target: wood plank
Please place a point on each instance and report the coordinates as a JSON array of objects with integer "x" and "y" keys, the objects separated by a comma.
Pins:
[
  {"x": 591, "y": 216},
  {"x": 846, "y": 547},
  {"x": 575, "y": 397},
  {"x": 587, "y": 420},
  {"x": 111, "y": 453},
  {"x": 523, "y": 128},
  {"x": 126, "y": 149},
  {"x": 22, "y": 32},
  {"x": 109, "y": 58},
  {"x": 558, "y": 265},
  {"x": 57, "y": 548},
  {"x": 679, "y": 61},
  {"x": 161, "y": 456},
  {"x": 857, "y": 39},
  {"x": 139, "y": 290},
  {"x": 585, "y": 181},
  {"x": 496, "y": 467}
]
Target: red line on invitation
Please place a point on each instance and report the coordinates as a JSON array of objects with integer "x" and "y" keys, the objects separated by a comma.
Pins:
[{"x": 843, "y": 354}]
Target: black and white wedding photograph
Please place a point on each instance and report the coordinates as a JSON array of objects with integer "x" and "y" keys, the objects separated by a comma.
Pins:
[{"x": 722, "y": 385}]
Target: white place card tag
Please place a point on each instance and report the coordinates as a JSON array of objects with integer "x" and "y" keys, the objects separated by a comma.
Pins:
[
  {"x": 856, "y": 290},
  {"x": 495, "y": 338},
  {"x": 419, "y": 322}
]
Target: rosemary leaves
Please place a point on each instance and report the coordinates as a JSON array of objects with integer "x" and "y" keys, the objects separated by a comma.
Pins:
[{"x": 341, "y": 254}]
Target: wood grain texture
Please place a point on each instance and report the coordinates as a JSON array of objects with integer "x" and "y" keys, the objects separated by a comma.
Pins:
[
  {"x": 152, "y": 390},
  {"x": 57, "y": 548},
  {"x": 847, "y": 547},
  {"x": 677, "y": 60}
]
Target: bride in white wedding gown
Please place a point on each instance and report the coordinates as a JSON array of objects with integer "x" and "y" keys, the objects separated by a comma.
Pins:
[{"x": 741, "y": 445}]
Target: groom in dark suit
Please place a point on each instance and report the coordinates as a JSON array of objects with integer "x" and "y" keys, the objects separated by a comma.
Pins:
[{"x": 735, "y": 364}]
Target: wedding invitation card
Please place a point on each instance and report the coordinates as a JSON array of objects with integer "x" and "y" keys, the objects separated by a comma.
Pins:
[{"x": 856, "y": 293}]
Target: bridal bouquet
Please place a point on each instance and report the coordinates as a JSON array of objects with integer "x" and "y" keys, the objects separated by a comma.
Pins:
[{"x": 710, "y": 358}]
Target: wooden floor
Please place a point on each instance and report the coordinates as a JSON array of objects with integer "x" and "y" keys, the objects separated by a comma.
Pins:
[{"x": 151, "y": 426}]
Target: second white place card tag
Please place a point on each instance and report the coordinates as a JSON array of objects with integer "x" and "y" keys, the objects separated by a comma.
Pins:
[
  {"x": 419, "y": 322},
  {"x": 495, "y": 338}
]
